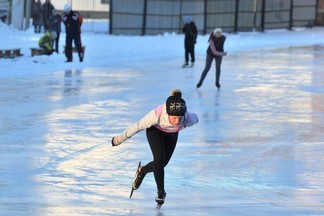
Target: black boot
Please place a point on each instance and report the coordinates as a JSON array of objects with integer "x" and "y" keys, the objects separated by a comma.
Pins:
[
  {"x": 138, "y": 179},
  {"x": 160, "y": 197}
]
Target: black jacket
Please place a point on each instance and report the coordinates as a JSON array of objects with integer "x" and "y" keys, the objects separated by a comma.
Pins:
[
  {"x": 190, "y": 31},
  {"x": 219, "y": 43},
  {"x": 72, "y": 25}
]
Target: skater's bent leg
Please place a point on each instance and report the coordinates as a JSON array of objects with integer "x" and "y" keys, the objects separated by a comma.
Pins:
[
  {"x": 209, "y": 60},
  {"x": 156, "y": 138},
  {"x": 148, "y": 168}
]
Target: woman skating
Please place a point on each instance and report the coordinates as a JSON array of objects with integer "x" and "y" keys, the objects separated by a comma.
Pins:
[
  {"x": 162, "y": 126},
  {"x": 215, "y": 51}
]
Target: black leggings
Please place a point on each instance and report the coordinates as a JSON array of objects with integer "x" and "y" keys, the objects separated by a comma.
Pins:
[{"x": 162, "y": 146}]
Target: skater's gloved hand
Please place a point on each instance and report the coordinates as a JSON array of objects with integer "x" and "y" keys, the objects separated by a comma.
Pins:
[{"x": 115, "y": 141}]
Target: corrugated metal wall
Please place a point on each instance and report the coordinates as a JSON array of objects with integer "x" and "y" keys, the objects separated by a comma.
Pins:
[{"x": 142, "y": 17}]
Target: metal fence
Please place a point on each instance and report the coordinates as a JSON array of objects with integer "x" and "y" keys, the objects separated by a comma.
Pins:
[
  {"x": 141, "y": 17},
  {"x": 149, "y": 17}
]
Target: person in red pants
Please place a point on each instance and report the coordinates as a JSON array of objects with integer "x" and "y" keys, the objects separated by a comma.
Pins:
[{"x": 72, "y": 21}]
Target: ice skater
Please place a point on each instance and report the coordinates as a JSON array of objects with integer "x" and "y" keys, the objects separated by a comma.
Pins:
[
  {"x": 190, "y": 31},
  {"x": 215, "y": 50},
  {"x": 162, "y": 126}
]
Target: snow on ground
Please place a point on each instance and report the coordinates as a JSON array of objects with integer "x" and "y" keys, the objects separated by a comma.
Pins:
[{"x": 104, "y": 50}]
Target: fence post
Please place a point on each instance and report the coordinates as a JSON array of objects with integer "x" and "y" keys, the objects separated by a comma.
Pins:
[
  {"x": 28, "y": 13},
  {"x": 110, "y": 16},
  {"x": 262, "y": 15},
  {"x": 205, "y": 17},
  {"x": 144, "y": 17},
  {"x": 236, "y": 16},
  {"x": 291, "y": 14}
]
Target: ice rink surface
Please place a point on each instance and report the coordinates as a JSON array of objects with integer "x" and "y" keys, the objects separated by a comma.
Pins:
[{"x": 258, "y": 148}]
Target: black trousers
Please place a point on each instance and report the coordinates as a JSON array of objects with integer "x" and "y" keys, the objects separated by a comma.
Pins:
[
  {"x": 189, "y": 50},
  {"x": 162, "y": 145},
  {"x": 68, "y": 45},
  {"x": 56, "y": 42}
]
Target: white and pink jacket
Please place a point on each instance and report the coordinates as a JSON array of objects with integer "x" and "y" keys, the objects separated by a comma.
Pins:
[{"x": 158, "y": 118}]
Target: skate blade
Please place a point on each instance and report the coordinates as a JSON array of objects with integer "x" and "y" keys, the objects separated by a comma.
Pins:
[
  {"x": 132, "y": 190},
  {"x": 158, "y": 206}
]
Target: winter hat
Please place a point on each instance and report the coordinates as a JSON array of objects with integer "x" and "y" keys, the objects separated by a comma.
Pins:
[
  {"x": 175, "y": 105},
  {"x": 67, "y": 8},
  {"x": 187, "y": 19},
  {"x": 217, "y": 30}
]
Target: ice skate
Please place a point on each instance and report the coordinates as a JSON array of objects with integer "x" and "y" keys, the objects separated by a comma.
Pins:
[
  {"x": 139, "y": 176},
  {"x": 186, "y": 64},
  {"x": 160, "y": 198}
]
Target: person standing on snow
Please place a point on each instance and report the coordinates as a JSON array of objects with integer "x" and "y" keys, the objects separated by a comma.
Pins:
[
  {"x": 190, "y": 31},
  {"x": 37, "y": 16},
  {"x": 162, "y": 126},
  {"x": 215, "y": 50},
  {"x": 54, "y": 23},
  {"x": 47, "y": 11},
  {"x": 72, "y": 22}
]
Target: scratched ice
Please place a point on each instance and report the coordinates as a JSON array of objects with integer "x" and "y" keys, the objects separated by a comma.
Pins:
[{"x": 258, "y": 148}]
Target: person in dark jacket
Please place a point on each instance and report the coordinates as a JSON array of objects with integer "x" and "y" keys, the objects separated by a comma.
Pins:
[
  {"x": 71, "y": 20},
  {"x": 190, "y": 31},
  {"x": 215, "y": 51},
  {"x": 54, "y": 23},
  {"x": 47, "y": 12},
  {"x": 37, "y": 16}
]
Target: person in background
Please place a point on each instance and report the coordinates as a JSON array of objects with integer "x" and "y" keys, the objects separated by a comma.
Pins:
[
  {"x": 37, "y": 16},
  {"x": 54, "y": 23},
  {"x": 47, "y": 11},
  {"x": 46, "y": 42},
  {"x": 72, "y": 21},
  {"x": 215, "y": 51},
  {"x": 190, "y": 31},
  {"x": 162, "y": 126}
]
